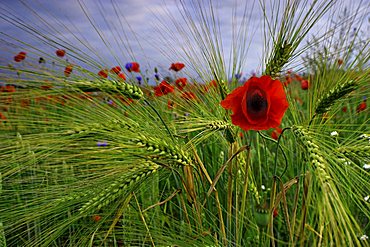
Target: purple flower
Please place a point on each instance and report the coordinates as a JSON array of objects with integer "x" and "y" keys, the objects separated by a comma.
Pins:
[{"x": 102, "y": 143}]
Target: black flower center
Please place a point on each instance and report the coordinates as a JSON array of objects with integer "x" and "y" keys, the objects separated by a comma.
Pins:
[{"x": 257, "y": 104}]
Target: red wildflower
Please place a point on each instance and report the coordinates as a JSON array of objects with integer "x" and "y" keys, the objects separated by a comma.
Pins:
[
  {"x": 361, "y": 107},
  {"x": 133, "y": 67},
  {"x": 2, "y": 117},
  {"x": 213, "y": 83},
  {"x": 344, "y": 109},
  {"x": 60, "y": 52},
  {"x": 9, "y": 88},
  {"x": 275, "y": 134},
  {"x": 20, "y": 56},
  {"x": 122, "y": 76},
  {"x": 68, "y": 70},
  {"x": 170, "y": 104},
  {"x": 305, "y": 84},
  {"x": 181, "y": 83},
  {"x": 163, "y": 88},
  {"x": 259, "y": 104},
  {"x": 177, "y": 66},
  {"x": 116, "y": 70},
  {"x": 96, "y": 218},
  {"x": 188, "y": 95},
  {"x": 275, "y": 213},
  {"x": 103, "y": 73}
]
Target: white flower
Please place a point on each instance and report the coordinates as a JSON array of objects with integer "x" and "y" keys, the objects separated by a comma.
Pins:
[
  {"x": 366, "y": 167},
  {"x": 263, "y": 187},
  {"x": 364, "y": 237},
  {"x": 366, "y": 198},
  {"x": 334, "y": 133},
  {"x": 363, "y": 136}
]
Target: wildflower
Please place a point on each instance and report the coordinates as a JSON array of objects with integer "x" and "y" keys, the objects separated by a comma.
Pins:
[
  {"x": 366, "y": 166},
  {"x": 68, "y": 70},
  {"x": 275, "y": 134},
  {"x": 156, "y": 76},
  {"x": 20, "y": 56},
  {"x": 60, "y": 52},
  {"x": 102, "y": 144},
  {"x": 181, "y": 83},
  {"x": 305, "y": 84},
  {"x": 344, "y": 109},
  {"x": 334, "y": 133},
  {"x": 170, "y": 104},
  {"x": 122, "y": 76},
  {"x": 103, "y": 73},
  {"x": 238, "y": 76},
  {"x": 362, "y": 106},
  {"x": 340, "y": 61},
  {"x": 163, "y": 88},
  {"x": 177, "y": 66},
  {"x": 364, "y": 237},
  {"x": 366, "y": 198},
  {"x": 139, "y": 79},
  {"x": 10, "y": 88},
  {"x": 96, "y": 218},
  {"x": 275, "y": 213},
  {"x": 259, "y": 104},
  {"x": 213, "y": 83},
  {"x": 2, "y": 117},
  {"x": 133, "y": 67},
  {"x": 263, "y": 187},
  {"x": 116, "y": 70},
  {"x": 41, "y": 60},
  {"x": 188, "y": 95}
]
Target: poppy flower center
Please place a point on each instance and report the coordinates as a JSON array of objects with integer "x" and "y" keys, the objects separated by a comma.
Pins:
[{"x": 257, "y": 104}]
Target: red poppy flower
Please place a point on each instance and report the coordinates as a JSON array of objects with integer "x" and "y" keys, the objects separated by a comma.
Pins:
[
  {"x": 60, "y": 52},
  {"x": 96, "y": 218},
  {"x": 133, "y": 67},
  {"x": 305, "y": 84},
  {"x": 9, "y": 88},
  {"x": 163, "y": 88},
  {"x": 213, "y": 83},
  {"x": 122, "y": 76},
  {"x": 20, "y": 56},
  {"x": 181, "y": 83},
  {"x": 361, "y": 107},
  {"x": 103, "y": 73},
  {"x": 116, "y": 70},
  {"x": 170, "y": 104},
  {"x": 259, "y": 104},
  {"x": 68, "y": 70},
  {"x": 2, "y": 117},
  {"x": 177, "y": 66},
  {"x": 188, "y": 95}
]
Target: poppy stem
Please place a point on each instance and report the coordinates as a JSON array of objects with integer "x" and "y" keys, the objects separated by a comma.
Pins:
[
  {"x": 276, "y": 153},
  {"x": 157, "y": 113},
  {"x": 273, "y": 140}
]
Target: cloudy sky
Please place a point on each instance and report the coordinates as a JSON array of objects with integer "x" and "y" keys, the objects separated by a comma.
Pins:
[{"x": 153, "y": 32}]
